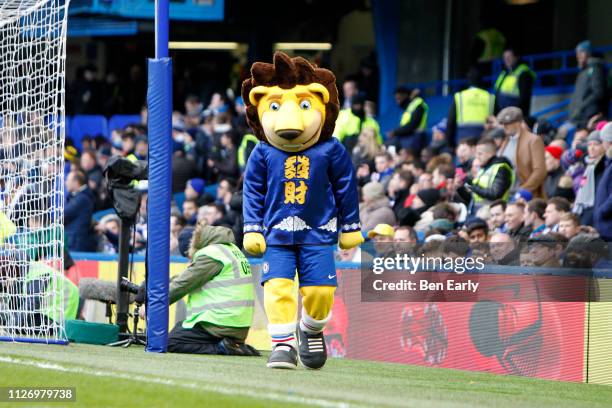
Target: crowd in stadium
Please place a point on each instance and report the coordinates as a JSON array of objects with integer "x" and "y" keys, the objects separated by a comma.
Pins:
[{"x": 489, "y": 172}]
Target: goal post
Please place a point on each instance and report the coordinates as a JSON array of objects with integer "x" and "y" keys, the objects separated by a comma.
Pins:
[
  {"x": 159, "y": 102},
  {"x": 33, "y": 289}
]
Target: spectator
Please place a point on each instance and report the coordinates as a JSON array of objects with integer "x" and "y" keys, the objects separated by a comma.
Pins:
[
  {"x": 524, "y": 150},
  {"x": 534, "y": 217},
  {"x": 353, "y": 122},
  {"x": 350, "y": 89},
  {"x": 109, "y": 226},
  {"x": 424, "y": 199},
  {"x": 504, "y": 250},
  {"x": 194, "y": 188},
  {"x": 225, "y": 162},
  {"x": 585, "y": 198},
  {"x": 545, "y": 250},
  {"x": 590, "y": 96},
  {"x": 552, "y": 156},
  {"x": 497, "y": 216},
  {"x": 141, "y": 148},
  {"x": 514, "y": 84},
  {"x": 384, "y": 169},
  {"x": 399, "y": 188},
  {"x": 183, "y": 168},
  {"x": 350, "y": 255},
  {"x": 555, "y": 209},
  {"x": 376, "y": 208},
  {"x": 569, "y": 225},
  {"x": 190, "y": 211},
  {"x": 495, "y": 177},
  {"x": 602, "y": 212},
  {"x": 366, "y": 150},
  {"x": 77, "y": 214},
  {"x": 515, "y": 221},
  {"x": 477, "y": 231},
  {"x": 439, "y": 142},
  {"x": 214, "y": 214},
  {"x": 469, "y": 110},
  {"x": 382, "y": 235},
  {"x": 92, "y": 170},
  {"x": 465, "y": 152},
  {"x": 405, "y": 240},
  {"x": 411, "y": 131}
]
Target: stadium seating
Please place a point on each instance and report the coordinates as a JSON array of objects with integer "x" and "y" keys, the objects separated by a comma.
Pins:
[
  {"x": 87, "y": 125},
  {"x": 121, "y": 121}
]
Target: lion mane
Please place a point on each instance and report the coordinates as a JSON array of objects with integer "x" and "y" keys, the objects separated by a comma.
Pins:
[{"x": 286, "y": 73}]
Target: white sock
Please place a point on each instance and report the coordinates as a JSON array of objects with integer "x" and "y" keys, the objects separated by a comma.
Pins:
[
  {"x": 311, "y": 325},
  {"x": 283, "y": 334}
]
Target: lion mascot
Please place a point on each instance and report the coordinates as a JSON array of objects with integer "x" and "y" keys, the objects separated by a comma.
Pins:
[{"x": 300, "y": 190}]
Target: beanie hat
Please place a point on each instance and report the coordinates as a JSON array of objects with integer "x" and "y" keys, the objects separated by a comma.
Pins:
[
  {"x": 522, "y": 194},
  {"x": 606, "y": 133},
  {"x": 594, "y": 136},
  {"x": 429, "y": 196},
  {"x": 197, "y": 184},
  {"x": 584, "y": 46},
  {"x": 373, "y": 190},
  {"x": 555, "y": 151},
  {"x": 184, "y": 240}
]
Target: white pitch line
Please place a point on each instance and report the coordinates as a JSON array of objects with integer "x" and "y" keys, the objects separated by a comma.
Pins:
[{"x": 269, "y": 395}]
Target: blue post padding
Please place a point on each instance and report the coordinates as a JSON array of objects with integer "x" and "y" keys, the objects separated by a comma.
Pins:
[
  {"x": 159, "y": 100},
  {"x": 386, "y": 15}
]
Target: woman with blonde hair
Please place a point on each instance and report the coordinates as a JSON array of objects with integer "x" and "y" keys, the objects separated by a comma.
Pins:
[{"x": 367, "y": 148}]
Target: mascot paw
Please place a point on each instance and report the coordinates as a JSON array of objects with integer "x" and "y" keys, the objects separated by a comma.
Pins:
[
  {"x": 254, "y": 243},
  {"x": 350, "y": 240}
]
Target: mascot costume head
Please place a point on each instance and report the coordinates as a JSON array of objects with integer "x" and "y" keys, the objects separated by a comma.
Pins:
[{"x": 300, "y": 201}]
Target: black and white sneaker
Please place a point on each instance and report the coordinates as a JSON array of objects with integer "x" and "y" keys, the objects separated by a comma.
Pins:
[
  {"x": 313, "y": 353},
  {"x": 283, "y": 356}
]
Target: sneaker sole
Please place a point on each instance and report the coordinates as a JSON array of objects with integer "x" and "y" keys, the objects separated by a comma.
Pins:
[{"x": 282, "y": 365}]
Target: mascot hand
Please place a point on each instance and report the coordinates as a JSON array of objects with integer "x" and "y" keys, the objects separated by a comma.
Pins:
[
  {"x": 254, "y": 243},
  {"x": 350, "y": 240}
]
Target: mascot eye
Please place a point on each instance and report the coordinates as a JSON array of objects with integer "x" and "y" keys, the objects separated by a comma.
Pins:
[
  {"x": 305, "y": 105},
  {"x": 274, "y": 106}
]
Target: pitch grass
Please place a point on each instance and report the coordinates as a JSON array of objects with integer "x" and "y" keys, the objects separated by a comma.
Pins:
[{"x": 108, "y": 377}]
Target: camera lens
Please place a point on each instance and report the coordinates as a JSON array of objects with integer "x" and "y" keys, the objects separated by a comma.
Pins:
[{"x": 128, "y": 286}]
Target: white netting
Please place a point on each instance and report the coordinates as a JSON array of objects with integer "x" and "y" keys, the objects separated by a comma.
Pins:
[{"x": 32, "y": 65}]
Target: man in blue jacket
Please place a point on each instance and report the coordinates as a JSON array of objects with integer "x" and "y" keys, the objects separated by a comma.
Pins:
[
  {"x": 602, "y": 213},
  {"x": 77, "y": 213}
]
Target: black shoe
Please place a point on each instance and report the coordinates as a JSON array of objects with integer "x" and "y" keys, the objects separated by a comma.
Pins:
[
  {"x": 283, "y": 356},
  {"x": 313, "y": 353},
  {"x": 231, "y": 347}
]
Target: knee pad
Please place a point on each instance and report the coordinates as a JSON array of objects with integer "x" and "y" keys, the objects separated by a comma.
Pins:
[
  {"x": 280, "y": 301},
  {"x": 318, "y": 300}
]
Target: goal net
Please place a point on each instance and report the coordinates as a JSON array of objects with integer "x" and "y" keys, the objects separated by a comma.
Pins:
[{"x": 34, "y": 294}]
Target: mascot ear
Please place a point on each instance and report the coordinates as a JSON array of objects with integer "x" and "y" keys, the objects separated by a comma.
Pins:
[
  {"x": 318, "y": 89},
  {"x": 256, "y": 94}
]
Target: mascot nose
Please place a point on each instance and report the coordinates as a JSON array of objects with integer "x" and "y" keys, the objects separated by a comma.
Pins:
[{"x": 288, "y": 134}]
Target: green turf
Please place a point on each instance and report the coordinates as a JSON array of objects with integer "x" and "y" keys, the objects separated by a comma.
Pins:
[{"x": 106, "y": 377}]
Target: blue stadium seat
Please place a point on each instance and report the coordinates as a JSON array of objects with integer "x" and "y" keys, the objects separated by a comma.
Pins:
[
  {"x": 87, "y": 125},
  {"x": 121, "y": 121}
]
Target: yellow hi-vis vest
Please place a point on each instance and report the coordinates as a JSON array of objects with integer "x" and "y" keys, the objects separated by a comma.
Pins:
[
  {"x": 407, "y": 115},
  {"x": 60, "y": 293},
  {"x": 227, "y": 299},
  {"x": 507, "y": 83},
  {"x": 246, "y": 139},
  {"x": 494, "y": 43},
  {"x": 7, "y": 227},
  {"x": 349, "y": 124},
  {"x": 473, "y": 106},
  {"x": 485, "y": 177}
]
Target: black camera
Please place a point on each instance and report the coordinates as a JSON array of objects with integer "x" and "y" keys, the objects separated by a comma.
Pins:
[{"x": 127, "y": 286}]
